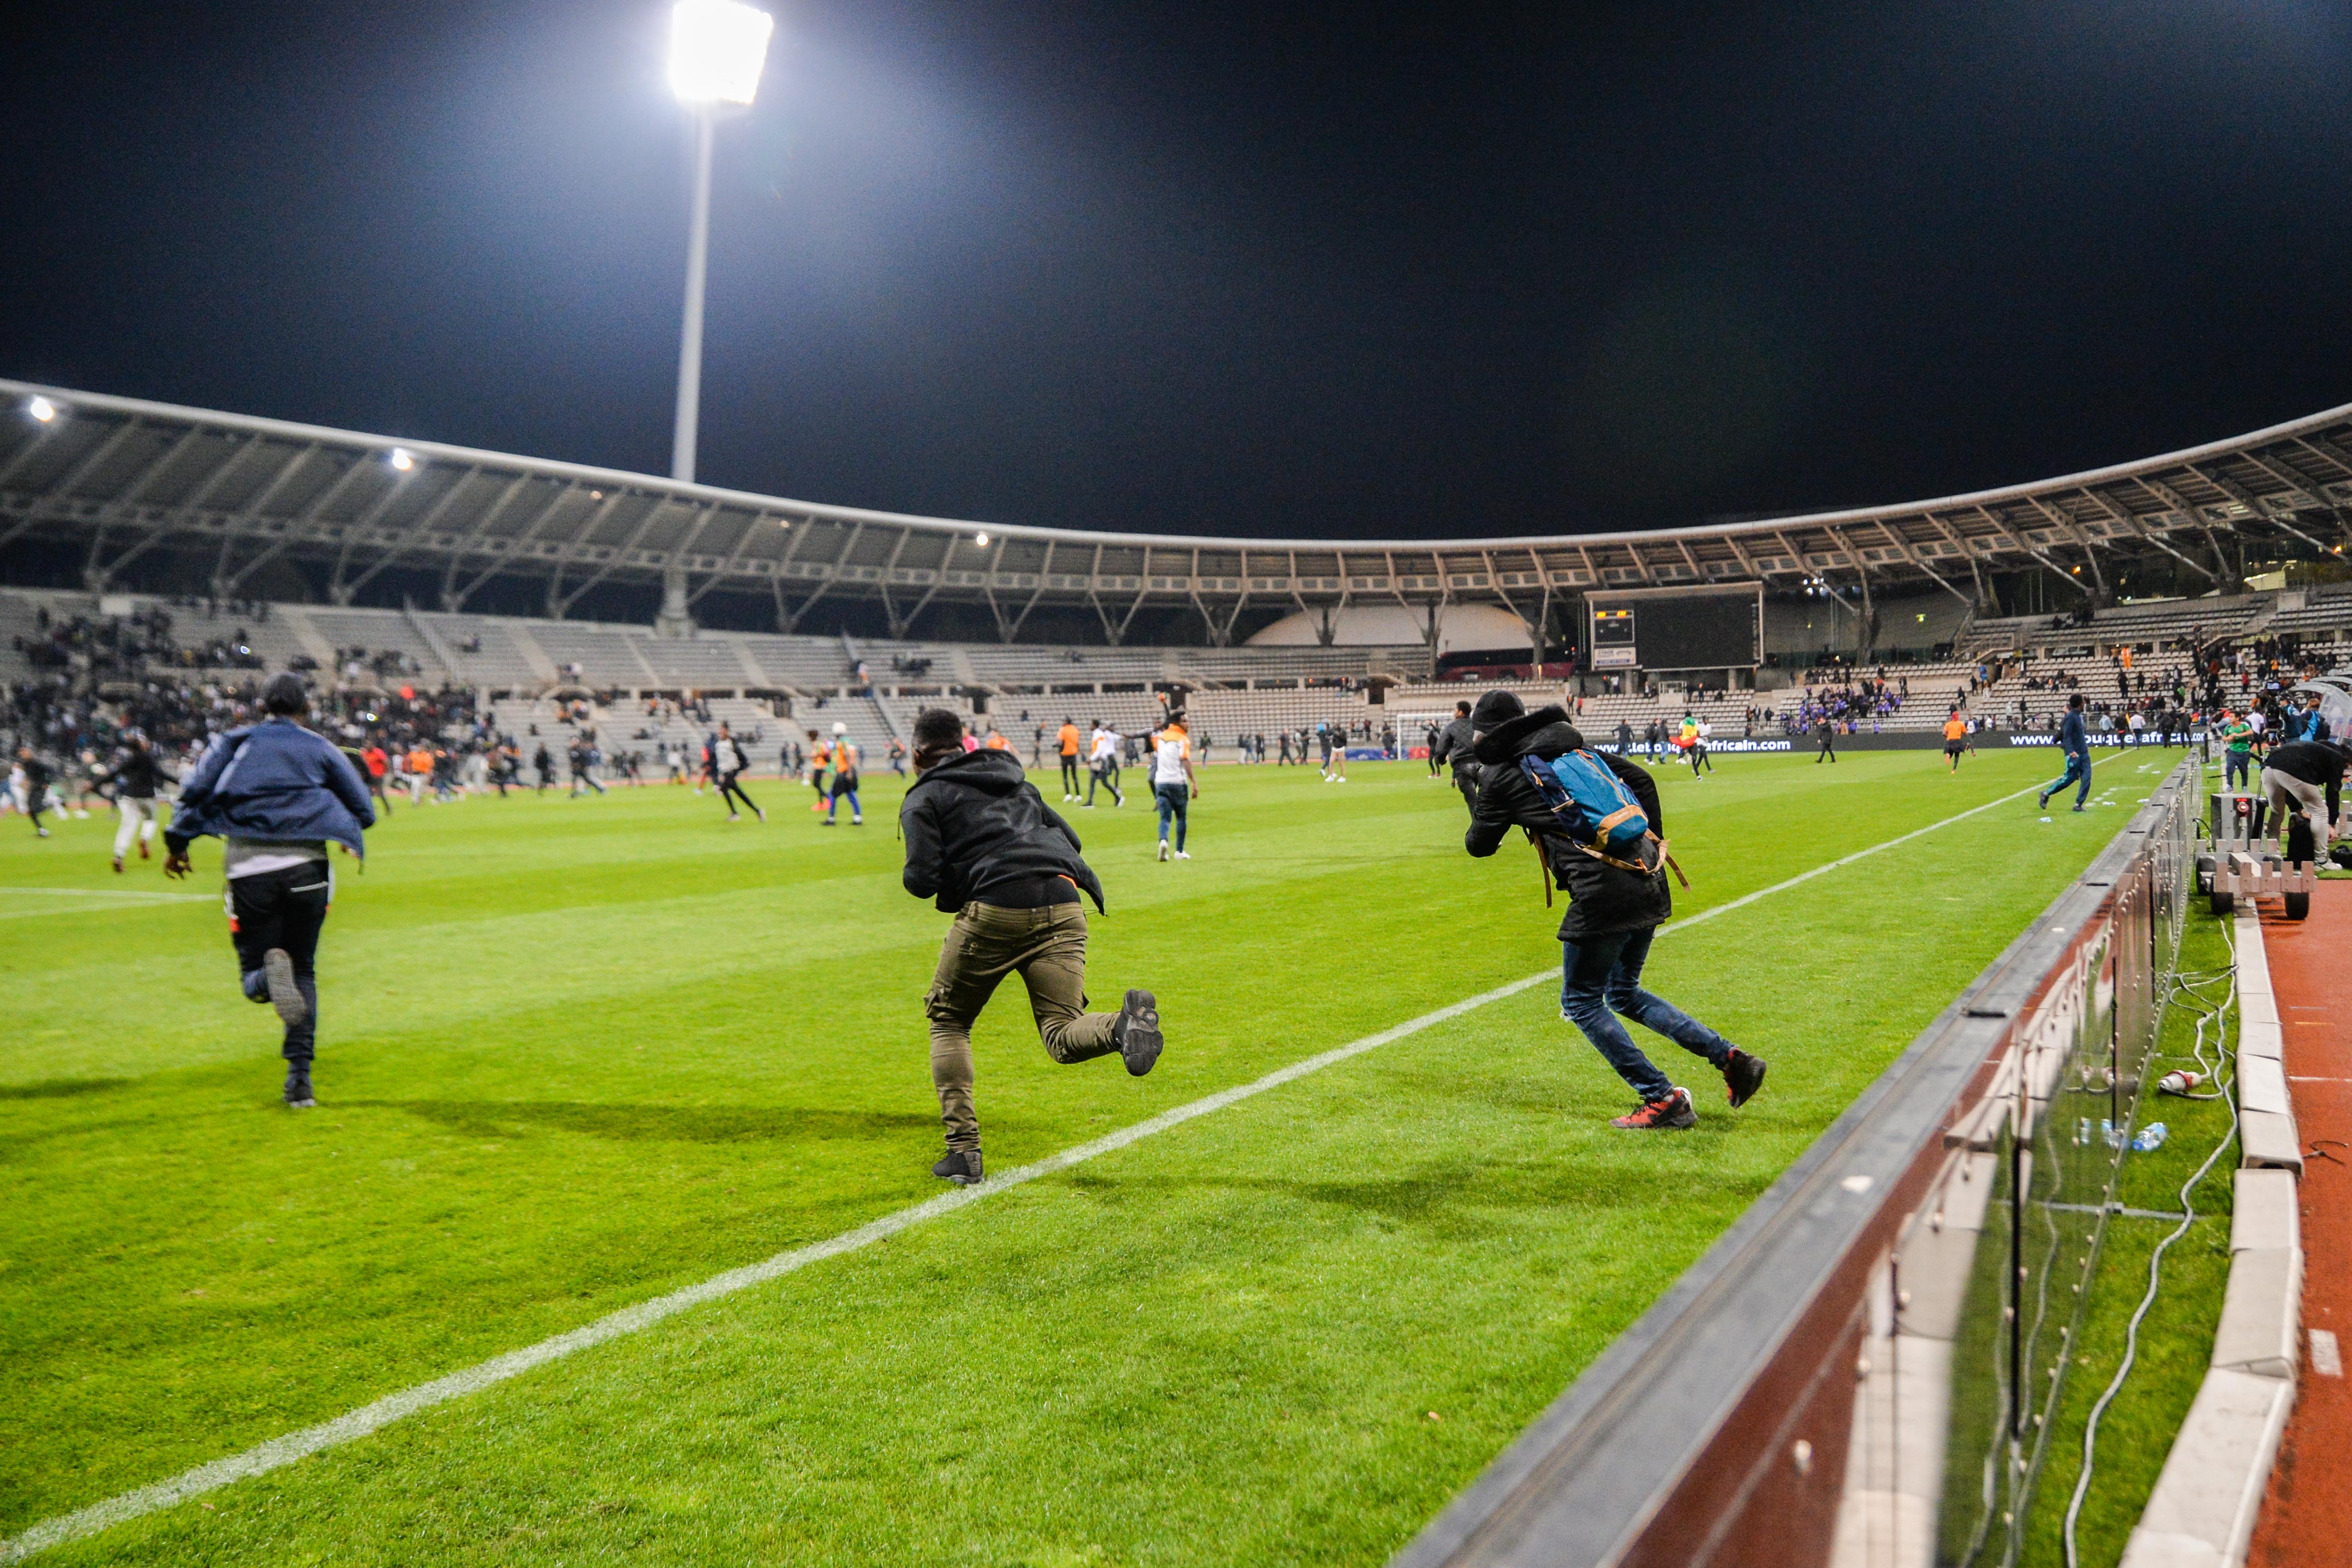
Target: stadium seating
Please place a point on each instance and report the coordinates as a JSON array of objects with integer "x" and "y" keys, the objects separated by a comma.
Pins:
[{"x": 802, "y": 681}]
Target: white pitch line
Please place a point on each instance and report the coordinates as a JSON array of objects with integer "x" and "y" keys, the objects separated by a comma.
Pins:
[
  {"x": 280, "y": 1452},
  {"x": 106, "y": 892},
  {"x": 126, "y": 899}
]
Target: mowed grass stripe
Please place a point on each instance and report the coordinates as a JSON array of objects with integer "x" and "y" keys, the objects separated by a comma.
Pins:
[
  {"x": 372, "y": 1417},
  {"x": 249, "y": 1273}
]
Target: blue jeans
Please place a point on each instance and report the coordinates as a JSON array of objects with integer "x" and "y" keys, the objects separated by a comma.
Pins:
[
  {"x": 2234, "y": 772},
  {"x": 1173, "y": 799},
  {"x": 2078, "y": 766},
  {"x": 1600, "y": 978}
]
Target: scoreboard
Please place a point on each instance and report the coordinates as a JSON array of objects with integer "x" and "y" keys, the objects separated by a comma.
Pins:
[{"x": 1677, "y": 628}]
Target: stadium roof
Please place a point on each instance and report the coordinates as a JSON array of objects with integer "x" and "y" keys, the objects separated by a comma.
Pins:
[{"x": 120, "y": 477}]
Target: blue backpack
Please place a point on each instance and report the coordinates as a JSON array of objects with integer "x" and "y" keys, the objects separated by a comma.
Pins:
[{"x": 1596, "y": 810}]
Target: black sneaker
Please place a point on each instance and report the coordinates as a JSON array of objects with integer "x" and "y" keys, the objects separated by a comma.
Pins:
[
  {"x": 278, "y": 974},
  {"x": 2043, "y": 799},
  {"x": 961, "y": 1167},
  {"x": 1137, "y": 1033},
  {"x": 297, "y": 1086},
  {"x": 1673, "y": 1112},
  {"x": 1742, "y": 1075}
]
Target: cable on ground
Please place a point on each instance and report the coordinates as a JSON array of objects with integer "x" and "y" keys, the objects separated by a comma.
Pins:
[{"x": 2189, "y": 988}]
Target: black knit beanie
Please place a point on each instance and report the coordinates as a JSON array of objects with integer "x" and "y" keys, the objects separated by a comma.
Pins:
[{"x": 1495, "y": 710}]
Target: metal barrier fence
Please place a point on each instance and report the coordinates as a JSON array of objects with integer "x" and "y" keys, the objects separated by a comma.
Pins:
[{"x": 1861, "y": 1370}]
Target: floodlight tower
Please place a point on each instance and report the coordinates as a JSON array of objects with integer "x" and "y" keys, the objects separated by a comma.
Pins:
[{"x": 716, "y": 50}]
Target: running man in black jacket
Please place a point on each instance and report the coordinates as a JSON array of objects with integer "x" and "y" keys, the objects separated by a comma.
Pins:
[
  {"x": 984, "y": 846},
  {"x": 1453, "y": 747},
  {"x": 1613, "y": 913},
  {"x": 727, "y": 755},
  {"x": 136, "y": 773},
  {"x": 36, "y": 797}
]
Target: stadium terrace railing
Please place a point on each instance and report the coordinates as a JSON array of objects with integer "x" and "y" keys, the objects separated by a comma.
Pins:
[{"x": 1860, "y": 1370}]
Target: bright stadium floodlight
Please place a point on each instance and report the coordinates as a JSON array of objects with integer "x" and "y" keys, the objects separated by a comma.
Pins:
[
  {"x": 42, "y": 410},
  {"x": 980, "y": 539},
  {"x": 716, "y": 50},
  {"x": 401, "y": 459}
]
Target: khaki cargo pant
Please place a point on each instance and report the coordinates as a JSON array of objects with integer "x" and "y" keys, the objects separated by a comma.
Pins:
[
  {"x": 1047, "y": 948},
  {"x": 2286, "y": 794}
]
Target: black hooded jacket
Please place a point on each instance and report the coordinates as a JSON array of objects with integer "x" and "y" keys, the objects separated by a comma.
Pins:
[
  {"x": 1602, "y": 900},
  {"x": 2312, "y": 762},
  {"x": 1453, "y": 747},
  {"x": 974, "y": 822}
]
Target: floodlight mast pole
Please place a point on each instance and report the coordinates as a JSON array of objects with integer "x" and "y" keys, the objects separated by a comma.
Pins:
[{"x": 689, "y": 347}]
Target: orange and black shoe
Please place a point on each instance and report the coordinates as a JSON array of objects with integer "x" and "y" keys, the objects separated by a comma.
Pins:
[
  {"x": 1673, "y": 1112},
  {"x": 1742, "y": 1075}
]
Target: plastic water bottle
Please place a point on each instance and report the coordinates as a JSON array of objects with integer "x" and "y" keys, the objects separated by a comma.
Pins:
[
  {"x": 2179, "y": 1081},
  {"x": 2151, "y": 1137}
]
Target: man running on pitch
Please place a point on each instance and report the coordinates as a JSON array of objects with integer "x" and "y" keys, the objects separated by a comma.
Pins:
[
  {"x": 983, "y": 844},
  {"x": 277, "y": 794},
  {"x": 137, "y": 772},
  {"x": 2076, "y": 742},
  {"x": 1453, "y": 747},
  {"x": 1102, "y": 765},
  {"x": 1174, "y": 785},
  {"x": 374, "y": 762},
  {"x": 1956, "y": 740},
  {"x": 33, "y": 792},
  {"x": 1068, "y": 743},
  {"x": 728, "y": 759},
  {"x": 844, "y": 777},
  {"x": 1614, "y": 913}
]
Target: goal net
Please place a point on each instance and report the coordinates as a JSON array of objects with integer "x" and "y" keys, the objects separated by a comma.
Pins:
[{"x": 1412, "y": 729}]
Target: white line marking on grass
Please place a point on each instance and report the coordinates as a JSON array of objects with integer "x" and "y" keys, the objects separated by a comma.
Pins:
[
  {"x": 106, "y": 892},
  {"x": 125, "y": 899},
  {"x": 280, "y": 1452}
]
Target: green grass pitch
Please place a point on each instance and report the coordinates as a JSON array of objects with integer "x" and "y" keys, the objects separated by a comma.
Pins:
[{"x": 576, "y": 1054}]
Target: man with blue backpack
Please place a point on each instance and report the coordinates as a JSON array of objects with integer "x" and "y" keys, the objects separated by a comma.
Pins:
[{"x": 1598, "y": 832}]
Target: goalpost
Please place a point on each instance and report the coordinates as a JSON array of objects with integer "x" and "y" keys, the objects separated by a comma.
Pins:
[{"x": 1413, "y": 726}]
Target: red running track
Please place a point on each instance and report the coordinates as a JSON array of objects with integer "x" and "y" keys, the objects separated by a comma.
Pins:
[{"x": 2306, "y": 1518}]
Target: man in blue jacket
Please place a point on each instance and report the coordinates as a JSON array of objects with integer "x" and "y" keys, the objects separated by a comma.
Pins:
[
  {"x": 277, "y": 794},
  {"x": 2076, "y": 742}
]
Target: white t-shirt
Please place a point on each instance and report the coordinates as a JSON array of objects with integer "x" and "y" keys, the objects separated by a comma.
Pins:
[
  {"x": 1170, "y": 748},
  {"x": 1106, "y": 745}
]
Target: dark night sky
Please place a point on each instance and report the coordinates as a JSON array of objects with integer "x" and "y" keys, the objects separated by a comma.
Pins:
[{"x": 1364, "y": 270}]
